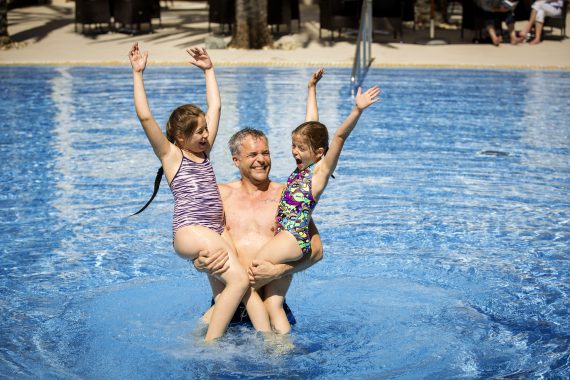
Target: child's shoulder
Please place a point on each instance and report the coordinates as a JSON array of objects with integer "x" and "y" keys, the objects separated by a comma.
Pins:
[{"x": 317, "y": 166}]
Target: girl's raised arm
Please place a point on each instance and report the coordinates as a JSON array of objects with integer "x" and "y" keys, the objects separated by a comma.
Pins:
[
  {"x": 328, "y": 163},
  {"x": 201, "y": 59},
  {"x": 312, "y": 113},
  {"x": 160, "y": 144}
]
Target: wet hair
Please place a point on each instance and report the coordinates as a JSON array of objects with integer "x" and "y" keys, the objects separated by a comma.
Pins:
[
  {"x": 182, "y": 123},
  {"x": 237, "y": 139},
  {"x": 316, "y": 134}
]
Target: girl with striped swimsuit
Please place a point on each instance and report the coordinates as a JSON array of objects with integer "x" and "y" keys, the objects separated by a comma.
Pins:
[{"x": 198, "y": 223}]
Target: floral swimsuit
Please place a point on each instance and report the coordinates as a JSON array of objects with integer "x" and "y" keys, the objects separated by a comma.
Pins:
[{"x": 295, "y": 207}]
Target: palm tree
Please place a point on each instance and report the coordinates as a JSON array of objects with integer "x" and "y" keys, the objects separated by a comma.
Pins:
[
  {"x": 4, "y": 36},
  {"x": 251, "y": 31}
]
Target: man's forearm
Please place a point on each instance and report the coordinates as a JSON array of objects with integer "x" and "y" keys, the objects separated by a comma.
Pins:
[
  {"x": 262, "y": 272},
  {"x": 299, "y": 265}
]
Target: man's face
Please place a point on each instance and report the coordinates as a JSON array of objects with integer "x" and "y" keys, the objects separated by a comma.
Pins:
[{"x": 253, "y": 159}]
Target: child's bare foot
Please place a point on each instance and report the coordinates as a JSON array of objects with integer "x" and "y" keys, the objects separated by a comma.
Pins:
[{"x": 536, "y": 41}]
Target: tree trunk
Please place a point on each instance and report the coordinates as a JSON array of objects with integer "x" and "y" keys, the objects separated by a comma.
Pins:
[
  {"x": 4, "y": 36},
  {"x": 251, "y": 31}
]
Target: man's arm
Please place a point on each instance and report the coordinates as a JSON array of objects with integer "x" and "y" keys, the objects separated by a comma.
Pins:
[{"x": 262, "y": 272}]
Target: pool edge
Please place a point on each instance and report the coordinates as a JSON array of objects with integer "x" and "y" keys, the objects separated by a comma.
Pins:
[{"x": 295, "y": 64}]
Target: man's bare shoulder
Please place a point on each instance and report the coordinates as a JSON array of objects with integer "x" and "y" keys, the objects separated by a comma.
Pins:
[
  {"x": 276, "y": 186},
  {"x": 230, "y": 185},
  {"x": 226, "y": 189},
  {"x": 274, "y": 190}
]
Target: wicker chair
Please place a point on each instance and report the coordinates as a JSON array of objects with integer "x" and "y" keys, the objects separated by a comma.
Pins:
[
  {"x": 338, "y": 14},
  {"x": 281, "y": 12},
  {"x": 558, "y": 22},
  {"x": 156, "y": 12},
  {"x": 221, "y": 12},
  {"x": 393, "y": 10},
  {"x": 92, "y": 12},
  {"x": 131, "y": 14}
]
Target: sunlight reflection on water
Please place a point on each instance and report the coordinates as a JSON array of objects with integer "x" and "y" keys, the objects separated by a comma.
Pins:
[{"x": 440, "y": 261}]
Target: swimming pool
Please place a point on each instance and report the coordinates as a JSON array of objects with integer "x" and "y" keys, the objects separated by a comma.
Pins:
[{"x": 446, "y": 230}]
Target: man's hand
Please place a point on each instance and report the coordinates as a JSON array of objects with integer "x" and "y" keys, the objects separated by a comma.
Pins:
[
  {"x": 212, "y": 263},
  {"x": 262, "y": 272}
]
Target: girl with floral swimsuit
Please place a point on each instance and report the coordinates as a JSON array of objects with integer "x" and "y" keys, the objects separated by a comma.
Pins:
[{"x": 316, "y": 162}]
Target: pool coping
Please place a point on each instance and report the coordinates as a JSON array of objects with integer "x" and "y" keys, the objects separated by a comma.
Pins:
[{"x": 298, "y": 64}]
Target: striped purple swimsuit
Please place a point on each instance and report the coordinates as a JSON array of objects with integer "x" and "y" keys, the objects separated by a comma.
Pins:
[{"x": 197, "y": 199}]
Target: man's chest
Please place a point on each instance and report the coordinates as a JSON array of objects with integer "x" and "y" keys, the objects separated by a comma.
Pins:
[{"x": 249, "y": 214}]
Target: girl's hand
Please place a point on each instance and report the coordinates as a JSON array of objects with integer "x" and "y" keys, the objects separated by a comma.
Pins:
[
  {"x": 200, "y": 58},
  {"x": 316, "y": 77},
  {"x": 370, "y": 96},
  {"x": 138, "y": 59}
]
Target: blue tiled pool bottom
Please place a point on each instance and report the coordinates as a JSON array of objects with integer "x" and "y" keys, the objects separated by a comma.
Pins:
[{"x": 446, "y": 230}]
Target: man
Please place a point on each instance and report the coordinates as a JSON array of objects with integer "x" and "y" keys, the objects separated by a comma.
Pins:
[{"x": 250, "y": 206}]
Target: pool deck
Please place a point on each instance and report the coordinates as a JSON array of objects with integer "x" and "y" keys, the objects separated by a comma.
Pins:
[{"x": 45, "y": 35}]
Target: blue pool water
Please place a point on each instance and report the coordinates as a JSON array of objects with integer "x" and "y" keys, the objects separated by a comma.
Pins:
[{"x": 446, "y": 230}]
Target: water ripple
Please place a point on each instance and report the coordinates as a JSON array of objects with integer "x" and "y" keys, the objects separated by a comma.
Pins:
[{"x": 446, "y": 229}]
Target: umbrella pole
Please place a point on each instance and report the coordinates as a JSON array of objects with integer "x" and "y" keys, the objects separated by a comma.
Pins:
[
  {"x": 432, "y": 19},
  {"x": 431, "y": 40}
]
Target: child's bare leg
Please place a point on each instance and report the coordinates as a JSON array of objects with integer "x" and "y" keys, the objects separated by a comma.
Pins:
[
  {"x": 281, "y": 249},
  {"x": 253, "y": 304},
  {"x": 187, "y": 243},
  {"x": 274, "y": 296},
  {"x": 256, "y": 311},
  {"x": 217, "y": 288},
  {"x": 227, "y": 301}
]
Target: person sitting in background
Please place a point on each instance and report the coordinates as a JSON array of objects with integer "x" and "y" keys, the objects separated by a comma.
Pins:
[
  {"x": 494, "y": 13},
  {"x": 540, "y": 10}
]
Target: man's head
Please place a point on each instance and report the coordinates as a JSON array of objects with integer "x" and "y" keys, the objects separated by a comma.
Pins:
[{"x": 250, "y": 152}]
